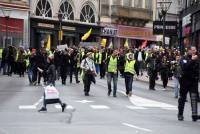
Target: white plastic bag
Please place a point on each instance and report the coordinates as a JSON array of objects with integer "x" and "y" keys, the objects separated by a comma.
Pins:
[{"x": 51, "y": 92}]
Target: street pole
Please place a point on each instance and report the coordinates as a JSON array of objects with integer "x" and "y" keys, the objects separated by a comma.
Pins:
[
  {"x": 6, "y": 40},
  {"x": 99, "y": 17},
  {"x": 164, "y": 25},
  {"x": 60, "y": 28}
]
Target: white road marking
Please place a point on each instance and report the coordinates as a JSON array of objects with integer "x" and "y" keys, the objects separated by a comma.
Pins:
[
  {"x": 69, "y": 107},
  {"x": 85, "y": 101},
  {"x": 39, "y": 101},
  {"x": 99, "y": 107},
  {"x": 57, "y": 106},
  {"x": 135, "y": 108},
  {"x": 27, "y": 107},
  {"x": 136, "y": 127},
  {"x": 34, "y": 106},
  {"x": 170, "y": 108},
  {"x": 143, "y": 102}
]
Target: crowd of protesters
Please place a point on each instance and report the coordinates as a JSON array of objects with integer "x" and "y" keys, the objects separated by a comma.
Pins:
[{"x": 54, "y": 65}]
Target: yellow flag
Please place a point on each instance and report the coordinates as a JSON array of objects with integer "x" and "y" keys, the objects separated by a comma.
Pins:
[
  {"x": 110, "y": 45},
  {"x": 103, "y": 42},
  {"x": 49, "y": 42},
  {"x": 86, "y": 35},
  {"x": 126, "y": 44}
]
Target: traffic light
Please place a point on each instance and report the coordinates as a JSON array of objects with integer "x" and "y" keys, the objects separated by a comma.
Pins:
[{"x": 60, "y": 35}]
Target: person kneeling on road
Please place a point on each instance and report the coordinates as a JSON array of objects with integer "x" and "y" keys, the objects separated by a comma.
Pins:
[{"x": 51, "y": 96}]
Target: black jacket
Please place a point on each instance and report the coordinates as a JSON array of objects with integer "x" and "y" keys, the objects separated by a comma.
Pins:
[{"x": 190, "y": 68}]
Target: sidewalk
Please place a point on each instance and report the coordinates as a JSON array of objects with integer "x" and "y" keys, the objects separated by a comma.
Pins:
[{"x": 145, "y": 79}]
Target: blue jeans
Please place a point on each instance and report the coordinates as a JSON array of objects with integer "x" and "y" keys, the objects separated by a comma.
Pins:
[
  {"x": 30, "y": 74},
  {"x": 97, "y": 68},
  {"x": 176, "y": 86},
  {"x": 110, "y": 77},
  {"x": 128, "y": 82}
]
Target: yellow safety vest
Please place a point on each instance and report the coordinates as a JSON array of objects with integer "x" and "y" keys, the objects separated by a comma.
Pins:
[
  {"x": 112, "y": 65},
  {"x": 146, "y": 55},
  {"x": 100, "y": 58},
  {"x": 17, "y": 56},
  {"x": 96, "y": 57},
  {"x": 1, "y": 51},
  {"x": 129, "y": 67}
]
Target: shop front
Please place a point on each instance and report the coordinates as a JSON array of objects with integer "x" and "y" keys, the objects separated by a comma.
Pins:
[
  {"x": 109, "y": 32},
  {"x": 135, "y": 35},
  {"x": 43, "y": 29},
  {"x": 11, "y": 31}
]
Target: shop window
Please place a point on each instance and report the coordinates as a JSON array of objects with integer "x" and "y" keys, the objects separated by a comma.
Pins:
[
  {"x": 116, "y": 2},
  {"x": 87, "y": 14},
  {"x": 66, "y": 10},
  {"x": 105, "y": 2},
  {"x": 43, "y": 9},
  {"x": 148, "y": 4},
  {"x": 138, "y": 3},
  {"x": 127, "y": 3}
]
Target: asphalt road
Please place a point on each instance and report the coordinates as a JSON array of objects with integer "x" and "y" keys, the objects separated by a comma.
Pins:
[{"x": 146, "y": 112}]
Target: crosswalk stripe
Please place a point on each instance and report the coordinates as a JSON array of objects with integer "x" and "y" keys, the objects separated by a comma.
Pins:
[
  {"x": 170, "y": 108},
  {"x": 27, "y": 107},
  {"x": 137, "y": 127},
  {"x": 99, "y": 107},
  {"x": 136, "y": 108}
]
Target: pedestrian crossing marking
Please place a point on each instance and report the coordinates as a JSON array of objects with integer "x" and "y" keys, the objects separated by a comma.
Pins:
[
  {"x": 136, "y": 108},
  {"x": 170, "y": 108},
  {"x": 27, "y": 107},
  {"x": 137, "y": 127},
  {"x": 57, "y": 106},
  {"x": 99, "y": 107},
  {"x": 143, "y": 102},
  {"x": 85, "y": 101}
]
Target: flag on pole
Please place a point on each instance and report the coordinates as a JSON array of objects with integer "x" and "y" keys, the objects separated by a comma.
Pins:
[
  {"x": 144, "y": 44},
  {"x": 110, "y": 45},
  {"x": 126, "y": 44},
  {"x": 49, "y": 42},
  {"x": 103, "y": 42},
  {"x": 86, "y": 35}
]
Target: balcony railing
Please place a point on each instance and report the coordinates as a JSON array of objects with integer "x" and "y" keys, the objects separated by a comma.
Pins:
[{"x": 131, "y": 12}]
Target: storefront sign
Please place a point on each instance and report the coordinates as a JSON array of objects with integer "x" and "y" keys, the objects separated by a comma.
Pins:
[
  {"x": 136, "y": 33},
  {"x": 46, "y": 25},
  {"x": 44, "y": 31},
  {"x": 186, "y": 20},
  {"x": 109, "y": 32},
  {"x": 170, "y": 28},
  {"x": 68, "y": 28}
]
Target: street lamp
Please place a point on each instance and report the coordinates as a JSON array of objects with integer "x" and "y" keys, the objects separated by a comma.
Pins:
[
  {"x": 163, "y": 7},
  {"x": 60, "y": 17}
]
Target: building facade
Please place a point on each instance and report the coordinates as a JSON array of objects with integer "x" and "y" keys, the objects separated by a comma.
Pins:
[
  {"x": 190, "y": 23},
  {"x": 14, "y": 23},
  {"x": 77, "y": 17},
  {"x": 127, "y": 20}
]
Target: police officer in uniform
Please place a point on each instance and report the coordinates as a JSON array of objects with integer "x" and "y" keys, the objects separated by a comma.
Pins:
[
  {"x": 189, "y": 83},
  {"x": 152, "y": 67},
  {"x": 130, "y": 67}
]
